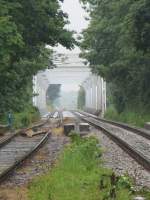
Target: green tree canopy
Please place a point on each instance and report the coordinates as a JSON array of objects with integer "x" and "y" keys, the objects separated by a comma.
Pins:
[
  {"x": 117, "y": 46},
  {"x": 26, "y": 27},
  {"x": 53, "y": 93},
  {"x": 81, "y": 98}
]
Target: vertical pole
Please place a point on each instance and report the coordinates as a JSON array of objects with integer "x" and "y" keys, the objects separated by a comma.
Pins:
[
  {"x": 102, "y": 96},
  {"x": 105, "y": 98},
  {"x": 91, "y": 97},
  {"x": 96, "y": 98}
]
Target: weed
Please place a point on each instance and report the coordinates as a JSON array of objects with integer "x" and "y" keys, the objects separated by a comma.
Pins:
[
  {"x": 25, "y": 118},
  {"x": 79, "y": 174}
]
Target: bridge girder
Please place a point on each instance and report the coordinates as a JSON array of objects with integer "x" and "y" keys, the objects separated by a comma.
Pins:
[{"x": 70, "y": 70}]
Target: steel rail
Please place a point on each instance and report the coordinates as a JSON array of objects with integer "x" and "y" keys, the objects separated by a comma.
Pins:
[
  {"x": 140, "y": 131},
  {"x": 4, "y": 174},
  {"x": 30, "y": 149},
  {"x": 137, "y": 155},
  {"x": 8, "y": 138}
]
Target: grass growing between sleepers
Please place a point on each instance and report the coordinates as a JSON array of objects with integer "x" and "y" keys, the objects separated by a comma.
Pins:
[{"x": 79, "y": 175}]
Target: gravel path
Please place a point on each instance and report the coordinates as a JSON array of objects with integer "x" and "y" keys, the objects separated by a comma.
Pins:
[{"x": 118, "y": 160}]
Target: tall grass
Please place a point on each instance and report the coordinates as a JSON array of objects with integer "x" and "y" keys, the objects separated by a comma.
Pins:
[
  {"x": 23, "y": 118},
  {"x": 130, "y": 117}
]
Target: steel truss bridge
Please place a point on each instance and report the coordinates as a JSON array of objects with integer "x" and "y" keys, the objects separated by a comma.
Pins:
[{"x": 72, "y": 70}]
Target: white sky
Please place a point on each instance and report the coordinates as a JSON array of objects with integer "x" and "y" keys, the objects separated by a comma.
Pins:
[
  {"x": 76, "y": 15},
  {"x": 77, "y": 20}
]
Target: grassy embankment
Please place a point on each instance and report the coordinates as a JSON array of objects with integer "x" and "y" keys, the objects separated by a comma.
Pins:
[
  {"x": 79, "y": 175},
  {"x": 134, "y": 118},
  {"x": 24, "y": 118}
]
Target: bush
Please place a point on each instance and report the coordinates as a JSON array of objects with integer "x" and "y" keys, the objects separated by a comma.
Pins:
[
  {"x": 130, "y": 117},
  {"x": 25, "y": 118},
  {"x": 111, "y": 113}
]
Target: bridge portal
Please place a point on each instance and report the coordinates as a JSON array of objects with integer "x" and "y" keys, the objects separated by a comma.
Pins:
[{"x": 70, "y": 70}]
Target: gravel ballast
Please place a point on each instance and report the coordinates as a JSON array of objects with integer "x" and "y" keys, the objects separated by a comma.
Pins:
[
  {"x": 119, "y": 161},
  {"x": 38, "y": 164}
]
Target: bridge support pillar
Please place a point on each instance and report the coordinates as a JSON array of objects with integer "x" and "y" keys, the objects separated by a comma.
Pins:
[
  {"x": 39, "y": 90},
  {"x": 95, "y": 88}
]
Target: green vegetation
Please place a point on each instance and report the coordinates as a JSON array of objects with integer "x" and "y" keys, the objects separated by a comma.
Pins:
[
  {"x": 79, "y": 174},
  {"x": 81, "y": 98},
  {"x": 26, "y": 118},
  {"x": 26, "y": 27},
  {"x": 117, "y": 47},
  {"x": 52, "y": 94},
  {"x": 129, "y": 117},
  {"x": 22, "y": 119}
]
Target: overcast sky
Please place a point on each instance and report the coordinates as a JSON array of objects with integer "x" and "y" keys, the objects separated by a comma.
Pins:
[
  {"x": 77, "y": 23},
  {"x": 76, "y": 17},
  {"x": 76, "y": 14}
]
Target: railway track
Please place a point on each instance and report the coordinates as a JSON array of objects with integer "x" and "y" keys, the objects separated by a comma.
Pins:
[
  {"x": 135, "y": 144},
  {"x": 140, "y": 131},
  {"x": 15, "y": 148}
]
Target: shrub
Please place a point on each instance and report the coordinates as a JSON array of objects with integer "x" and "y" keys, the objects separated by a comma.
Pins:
[
  {"x": 127, "y": 116},
  {"x": 25, "y": 118}
]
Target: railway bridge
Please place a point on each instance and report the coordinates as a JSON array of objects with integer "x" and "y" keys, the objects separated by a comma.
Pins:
[{"x": 70, "y": 70}]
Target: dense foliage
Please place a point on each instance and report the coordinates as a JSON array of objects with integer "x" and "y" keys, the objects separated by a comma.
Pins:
[
  {"x": 26, "y": 27},
  {"x": 117, "y": 46},
  {"x": 53, "y": 93},
  {"x": 81, "y": 98}
]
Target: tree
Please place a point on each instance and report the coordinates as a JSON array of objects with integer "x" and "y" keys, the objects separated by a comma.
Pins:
[
  {"x": 117, "y": 47},
  {"x": 53, "y": 93},
  {"x": 81, "y": 98},
  {"x": 26, "y": 27}
]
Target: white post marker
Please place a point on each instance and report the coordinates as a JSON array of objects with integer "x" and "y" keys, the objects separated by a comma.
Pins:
[{"x": 139, "y": 198}]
